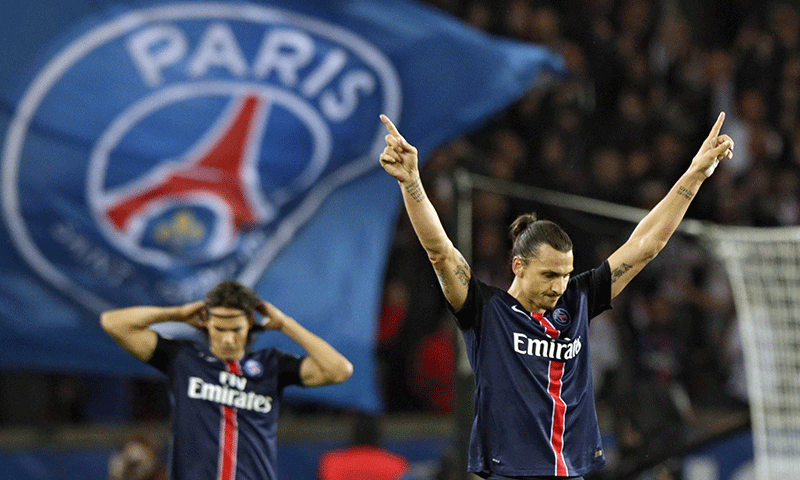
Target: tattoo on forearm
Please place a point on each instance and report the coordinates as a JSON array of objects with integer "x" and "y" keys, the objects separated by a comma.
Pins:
[
  {"x": 416, "y": 191},
  {"x": 620, "y": 271},
  {"x": 685, "y": 192}
]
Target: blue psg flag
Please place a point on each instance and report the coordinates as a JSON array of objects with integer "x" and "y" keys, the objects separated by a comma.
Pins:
[{"x": 152, "y": 149}]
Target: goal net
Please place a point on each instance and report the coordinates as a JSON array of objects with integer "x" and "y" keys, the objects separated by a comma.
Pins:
[
  {"x": 764, "y": 270},
  {"x": 763, "y": 267}
]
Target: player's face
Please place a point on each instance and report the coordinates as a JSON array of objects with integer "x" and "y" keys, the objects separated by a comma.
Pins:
[
  {"x": 544, "y": 278},
  {"x": 227, "y": 332}
]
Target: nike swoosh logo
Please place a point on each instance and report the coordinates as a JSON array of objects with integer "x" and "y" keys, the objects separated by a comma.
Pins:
[{"x": 518, "y": 310}]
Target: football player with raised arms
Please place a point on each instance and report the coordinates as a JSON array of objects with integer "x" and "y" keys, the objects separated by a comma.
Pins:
[
  {"x": 225, "y": 398},
  {"x": 528, "y": 347}
]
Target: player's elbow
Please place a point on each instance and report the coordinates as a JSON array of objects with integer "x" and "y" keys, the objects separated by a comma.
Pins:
[
  {"x": 113, "y": 326},
  {"x": 331, "y": 374},
  {"x": 438, "y": 248},
  {"x": 439, "y": 256},
  {"x": 347, "y": 373},
  {"x": 647, "y": 248},
  {"x": 107, "y": 322},
  {"x": 652, "y": 248},
  {"x": 342, "y": 372}
]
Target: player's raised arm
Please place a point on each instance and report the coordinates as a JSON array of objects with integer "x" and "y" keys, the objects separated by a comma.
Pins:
[
  {"x": 400, "y": 160},
  {"x": 128, "y": 326},
  {"x": 656, "y": 228}
]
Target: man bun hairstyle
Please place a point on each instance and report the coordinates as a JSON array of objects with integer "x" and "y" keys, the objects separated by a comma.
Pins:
[
  {"x": 527, "y": 234},
  {"x": 232, "y": 294}
]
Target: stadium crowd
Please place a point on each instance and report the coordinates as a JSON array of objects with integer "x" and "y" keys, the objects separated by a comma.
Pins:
[{"x": 646, "y": 79}]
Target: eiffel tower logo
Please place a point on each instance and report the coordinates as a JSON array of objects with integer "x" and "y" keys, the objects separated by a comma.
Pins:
[{"x": 218, "y": 170}]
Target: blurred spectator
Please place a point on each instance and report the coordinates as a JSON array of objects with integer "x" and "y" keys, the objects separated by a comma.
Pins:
[
  {"x": 136, "y": 460},
  {"x": 432, "y": 369},
  {"x": 757, "y": 143},
  {"x": 390, "y": 353},
  {"x": 608, "y": 172},
  {"x": 490, "y": 254},
  {"x": 480, "y": 15},
  {"x": 364, "y": 459},
  {"x": 393, "y": 313}
]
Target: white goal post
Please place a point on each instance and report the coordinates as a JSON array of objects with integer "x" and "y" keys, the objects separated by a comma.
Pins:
[{"x": 763, "y": 265}]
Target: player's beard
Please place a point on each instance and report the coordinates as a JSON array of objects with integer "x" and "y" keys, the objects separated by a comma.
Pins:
[{"x": 549, "y": 301}]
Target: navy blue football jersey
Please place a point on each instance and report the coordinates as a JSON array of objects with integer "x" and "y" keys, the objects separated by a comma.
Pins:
[
  {"x": 224, "y": 413},
  {"x": 534, "y": 401}
]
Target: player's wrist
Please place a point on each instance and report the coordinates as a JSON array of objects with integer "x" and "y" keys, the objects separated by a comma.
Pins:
[
  {"x": 410, "y": 179},
  {"x": 172, "y": 314},
  {"x": 698, "y": 173},
  {"x": 287, "y": 323}
]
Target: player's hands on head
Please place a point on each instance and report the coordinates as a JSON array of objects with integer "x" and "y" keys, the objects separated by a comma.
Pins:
[
  {"x": 399, "y": 158},
  {"x": 272, "y": 317},
  {"x": 715, "y": 147},
  {"x": 194, "y": 313}
]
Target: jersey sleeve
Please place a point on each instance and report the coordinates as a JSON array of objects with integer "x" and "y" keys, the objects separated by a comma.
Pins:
[
  {"x": 597, "y": 284},
  {"x": 165, "y": 352},
  {"x": 469, "y": 316},
  {"x": 288, "y": 369}
]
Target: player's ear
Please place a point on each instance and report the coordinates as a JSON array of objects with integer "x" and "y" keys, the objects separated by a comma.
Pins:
[{"x": 517, "y": 265}]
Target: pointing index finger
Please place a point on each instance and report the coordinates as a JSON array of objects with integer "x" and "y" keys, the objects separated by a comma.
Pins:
[
  {"x": 717, "y": 125},
  {"x": 390, "y": 126}
]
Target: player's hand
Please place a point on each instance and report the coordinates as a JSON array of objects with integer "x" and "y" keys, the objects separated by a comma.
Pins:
[
  {"x": 715, "y": 147},
  {"x": 272, "y": 317},
  {"x": 194, "y": 314},
  {"x": 399, "y": 158}
]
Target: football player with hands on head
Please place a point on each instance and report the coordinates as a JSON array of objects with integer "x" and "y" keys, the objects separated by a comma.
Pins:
[
  {"x": 528, "y": 346},
  {"x": 225, "y": 397}
]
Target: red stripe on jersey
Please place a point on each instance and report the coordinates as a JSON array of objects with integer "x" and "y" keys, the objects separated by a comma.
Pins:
[
  {"x": 559, "y": 414},
  {"x": 555, "y": 375},
  {"x": 229, "y": 434},
  {"x": 549, "y": 329}
]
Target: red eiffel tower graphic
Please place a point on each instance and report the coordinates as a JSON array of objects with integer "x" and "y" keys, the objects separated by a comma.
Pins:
[{"x": 216, "y": 171}]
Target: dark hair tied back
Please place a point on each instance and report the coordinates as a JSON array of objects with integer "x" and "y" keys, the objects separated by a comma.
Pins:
[
  {"x": 520, "y": 225},
  {"x": 528, "y": 234}
]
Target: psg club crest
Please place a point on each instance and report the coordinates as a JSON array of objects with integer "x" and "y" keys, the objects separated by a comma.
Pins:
[
  {"x": 161, "y": 150},
  {"x": 253, "y": 368},
  {"x": 561, "y": 317}
]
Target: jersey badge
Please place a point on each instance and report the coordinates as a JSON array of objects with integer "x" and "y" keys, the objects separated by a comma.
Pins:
[
  {"x": 561, "y": 317},
  {"x": 253, "y": 368}
]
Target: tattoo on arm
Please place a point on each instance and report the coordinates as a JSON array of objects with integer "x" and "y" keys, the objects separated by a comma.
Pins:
[
  {"x": 440, "y": 276},
  {"x": 685, "y": 193},
  {"x": 462, "y": 271},
  {"x": 416, "y": 191},
  {"x": 620, "y": 271}
]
